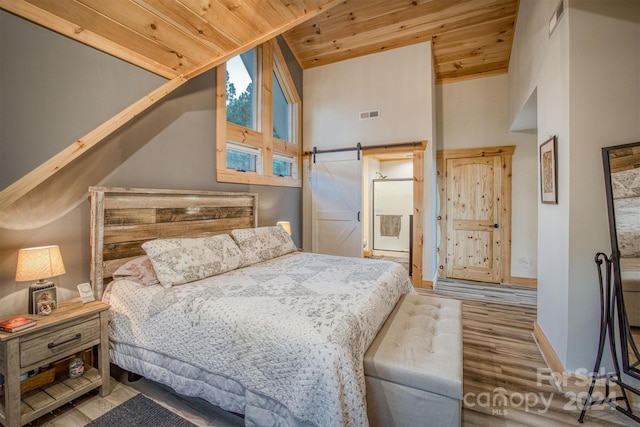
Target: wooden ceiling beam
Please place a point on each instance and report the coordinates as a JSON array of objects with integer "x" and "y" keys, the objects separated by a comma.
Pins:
[{"x": 49, "y": 168}]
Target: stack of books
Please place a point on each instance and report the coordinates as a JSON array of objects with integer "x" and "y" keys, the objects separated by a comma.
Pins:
[{"x": 17, "y": 324}]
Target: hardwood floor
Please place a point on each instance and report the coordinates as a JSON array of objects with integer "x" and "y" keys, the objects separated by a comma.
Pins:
[{"x": 506, "y": 382}]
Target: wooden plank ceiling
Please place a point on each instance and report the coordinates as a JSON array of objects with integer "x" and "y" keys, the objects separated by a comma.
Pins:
[
  {"x": 179, "y": 39},
  {"x": 471, "y": 38}
]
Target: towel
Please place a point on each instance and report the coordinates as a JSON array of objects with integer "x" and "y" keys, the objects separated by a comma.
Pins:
[{"x": 390, "y": 225}]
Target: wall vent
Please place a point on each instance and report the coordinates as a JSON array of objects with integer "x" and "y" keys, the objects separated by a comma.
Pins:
[
  {"x": 373, "y": 114},
  {"x": 555, "y": 18}
]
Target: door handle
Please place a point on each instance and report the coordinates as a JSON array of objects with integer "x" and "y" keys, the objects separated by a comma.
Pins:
[
  {"x": 358, "y": 216},
  {"x": 496, "y": 226}
]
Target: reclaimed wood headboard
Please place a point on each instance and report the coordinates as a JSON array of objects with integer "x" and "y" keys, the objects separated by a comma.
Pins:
[{"x": 122, "y": 219}]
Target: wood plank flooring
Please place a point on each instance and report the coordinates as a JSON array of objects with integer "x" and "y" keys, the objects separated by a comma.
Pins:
[{"x": 506, "y": 382}]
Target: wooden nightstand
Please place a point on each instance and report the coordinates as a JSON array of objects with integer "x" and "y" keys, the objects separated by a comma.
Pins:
[{"x": 72, "y": 328}]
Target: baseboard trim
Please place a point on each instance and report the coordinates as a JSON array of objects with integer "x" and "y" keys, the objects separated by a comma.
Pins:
[
  {"x": 524, "y": 281},
  {"x": 549, "y": 354}
]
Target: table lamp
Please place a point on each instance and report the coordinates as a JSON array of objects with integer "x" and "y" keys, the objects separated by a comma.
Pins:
[{"x": 39, "y": 264}]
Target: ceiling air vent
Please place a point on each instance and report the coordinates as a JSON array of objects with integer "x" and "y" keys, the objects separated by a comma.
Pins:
[{"x": 373, "y": 114}]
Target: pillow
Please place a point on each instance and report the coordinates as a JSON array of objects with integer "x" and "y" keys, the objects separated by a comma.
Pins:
[
  {"x": 263, "y": 243},
  {"x": 139, "y": 270},
  {"x": 178, "y": 261}
]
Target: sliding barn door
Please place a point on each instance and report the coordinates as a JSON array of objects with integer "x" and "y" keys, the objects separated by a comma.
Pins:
[{"x": 336, "y": 194}]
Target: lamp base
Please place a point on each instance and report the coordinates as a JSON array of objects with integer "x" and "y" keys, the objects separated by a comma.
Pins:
[{"x": 38, "y": 286}]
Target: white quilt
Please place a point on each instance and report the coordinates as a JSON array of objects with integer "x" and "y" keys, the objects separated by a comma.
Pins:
[{"x": 294, "y": 329}]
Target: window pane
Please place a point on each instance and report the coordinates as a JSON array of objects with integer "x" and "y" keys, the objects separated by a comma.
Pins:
[
  {"x": 281, "y": 112},
  {"x": 241, "y": 160},
  {"x": 282, "y": 167},
  {"x": 241, "y": 97}
]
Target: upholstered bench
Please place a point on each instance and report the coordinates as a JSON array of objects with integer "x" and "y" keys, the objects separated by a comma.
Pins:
[{"x": 413, "y": 369}]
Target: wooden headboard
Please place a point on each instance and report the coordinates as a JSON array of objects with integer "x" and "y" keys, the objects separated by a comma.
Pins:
[{"x": 122, "y": 219}]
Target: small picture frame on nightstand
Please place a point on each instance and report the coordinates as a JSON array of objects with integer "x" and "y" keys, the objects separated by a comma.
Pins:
[
  {"x": 86, "y": 292},
  {"x": 45, "y": 300}
]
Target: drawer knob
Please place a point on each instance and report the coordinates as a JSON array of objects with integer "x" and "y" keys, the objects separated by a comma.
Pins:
[{"x": 76, "y": 337}]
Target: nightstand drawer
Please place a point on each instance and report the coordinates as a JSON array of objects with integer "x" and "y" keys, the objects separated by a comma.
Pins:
[{"x": 58, "y": 341}]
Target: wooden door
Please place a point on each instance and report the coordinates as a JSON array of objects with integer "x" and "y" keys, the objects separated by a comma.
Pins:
[
  {"x": 336, "y": 198},
  {"x": 474, "y": 229}
]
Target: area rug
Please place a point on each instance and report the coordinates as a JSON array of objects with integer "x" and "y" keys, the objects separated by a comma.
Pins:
[{"x": 140, "y": 411}]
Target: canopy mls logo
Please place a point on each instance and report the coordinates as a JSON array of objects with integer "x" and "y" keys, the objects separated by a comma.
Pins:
[{"x": 500, "y": 401}]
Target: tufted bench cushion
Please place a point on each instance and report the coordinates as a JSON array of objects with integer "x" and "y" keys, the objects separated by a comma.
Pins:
[{"x": 413, "y": 368}]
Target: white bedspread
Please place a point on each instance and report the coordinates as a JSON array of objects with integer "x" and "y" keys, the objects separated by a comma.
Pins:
[{"x": 293, "y": 329}]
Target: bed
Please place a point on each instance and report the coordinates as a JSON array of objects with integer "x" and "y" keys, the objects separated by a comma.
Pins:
[{"x": 266, "y": 331}]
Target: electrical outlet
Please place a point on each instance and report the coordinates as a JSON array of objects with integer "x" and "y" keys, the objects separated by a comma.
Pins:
[{"x": 525, "y": 262}]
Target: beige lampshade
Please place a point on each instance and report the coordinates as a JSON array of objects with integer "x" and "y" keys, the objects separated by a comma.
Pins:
[
  {"x": 39, "y": 263},
  {"x": 286, "y": 225}
]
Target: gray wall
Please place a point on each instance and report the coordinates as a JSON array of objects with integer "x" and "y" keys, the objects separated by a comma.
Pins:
[{"x": 54, "y": 90}]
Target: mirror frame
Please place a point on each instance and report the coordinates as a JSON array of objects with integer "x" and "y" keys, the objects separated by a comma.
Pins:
[{"x": 627, "y": 342}]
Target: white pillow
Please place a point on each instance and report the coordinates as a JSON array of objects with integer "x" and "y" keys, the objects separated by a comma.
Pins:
[
  {"x": 139, "y": 270},
  {"x": 263, "y": 243},
  {"x": 178, "y": 261}
]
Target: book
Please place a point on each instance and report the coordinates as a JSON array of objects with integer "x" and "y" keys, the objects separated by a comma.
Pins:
[{"x": 17, "y": 324}]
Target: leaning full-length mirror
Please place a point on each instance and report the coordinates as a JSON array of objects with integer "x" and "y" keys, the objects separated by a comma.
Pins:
[{"x": 622, "y": 178}]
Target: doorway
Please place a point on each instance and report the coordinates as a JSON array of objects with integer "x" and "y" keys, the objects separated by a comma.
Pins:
[
  {"x": 392, "y": 215},
  {"x": 330, "y": 193},
  {"x": 388, "y": 203}
]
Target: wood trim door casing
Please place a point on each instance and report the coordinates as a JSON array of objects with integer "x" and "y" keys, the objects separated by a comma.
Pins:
[
  {"x": 418, "y": 219},
  {"x": 418, "y": 209},
  {"x": 505, "y": 153}
]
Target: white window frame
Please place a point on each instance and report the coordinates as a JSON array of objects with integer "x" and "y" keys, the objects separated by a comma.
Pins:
[{"x": 254, "y": 151}]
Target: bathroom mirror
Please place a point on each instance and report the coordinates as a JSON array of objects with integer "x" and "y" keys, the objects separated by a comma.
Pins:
[{"x": 622, "y": 179}]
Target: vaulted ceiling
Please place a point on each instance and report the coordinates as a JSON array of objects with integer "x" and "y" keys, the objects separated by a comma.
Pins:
[
  {"x": 470, "y": 38},
  {"x": 180, "y": 39}
]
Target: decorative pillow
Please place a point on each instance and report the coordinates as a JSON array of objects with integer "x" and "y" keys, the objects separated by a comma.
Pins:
[
  {"x": 178, "y": 261},
  {"x": 263, "y": 243},
  {"x": 139, "y": 270}
]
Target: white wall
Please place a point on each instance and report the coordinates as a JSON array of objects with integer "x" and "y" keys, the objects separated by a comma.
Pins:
[
  {"x": 397, "y": 168},
  {"x": 399, "y": 82},
  {"x": 604, "y": 47},
  {"x": 588, "y": 94},
  {"x": 474, "y": 113}
]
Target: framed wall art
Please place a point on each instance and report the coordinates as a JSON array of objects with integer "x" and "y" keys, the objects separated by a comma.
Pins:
[{"x": 549, "y": 171}]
